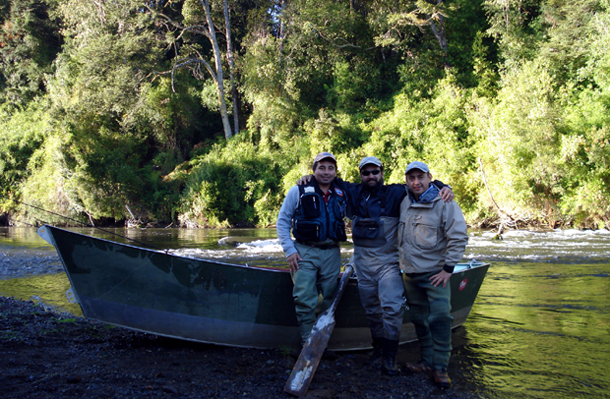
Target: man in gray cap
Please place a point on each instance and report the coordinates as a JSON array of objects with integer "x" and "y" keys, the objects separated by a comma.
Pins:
[
  {"x": 432, "y": 240},
  {"x": 375, "y": 209},
  {"x": 315, "y": 212}
]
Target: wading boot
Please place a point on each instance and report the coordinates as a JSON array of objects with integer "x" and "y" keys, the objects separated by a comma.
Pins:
[
  {"x": 388, "y": 363},
  {"x": 377, "y": 351},
  {"x": 419, "y": 367},
  {"x": 441, "y": 378}
]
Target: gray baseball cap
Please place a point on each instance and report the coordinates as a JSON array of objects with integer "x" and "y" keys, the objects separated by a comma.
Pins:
[
  {"x": 417, "y": 165},
  {"x": 369, "y": 161}
]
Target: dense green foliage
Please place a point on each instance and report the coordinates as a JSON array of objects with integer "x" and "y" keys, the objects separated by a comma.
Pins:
[{"x": 105, "y": 105}]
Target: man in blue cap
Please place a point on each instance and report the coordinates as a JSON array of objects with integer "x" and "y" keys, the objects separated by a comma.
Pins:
[
  {"x": 432, "y": 240},
  {"x": 315, "y": 212}
]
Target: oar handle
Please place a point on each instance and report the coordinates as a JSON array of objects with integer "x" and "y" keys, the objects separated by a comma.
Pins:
[{"x": 347, "y": 273}]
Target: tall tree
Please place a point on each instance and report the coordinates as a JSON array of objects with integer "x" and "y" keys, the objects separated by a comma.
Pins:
[
  {"x": 231, "y": 61},
  {"x": 186, "y": 23}
]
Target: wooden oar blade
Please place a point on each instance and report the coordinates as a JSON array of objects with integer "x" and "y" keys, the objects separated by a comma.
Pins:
[{"x": 309, "y": 359}]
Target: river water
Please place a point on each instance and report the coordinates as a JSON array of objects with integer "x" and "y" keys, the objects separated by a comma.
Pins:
[{"x": 540, "y": 327}]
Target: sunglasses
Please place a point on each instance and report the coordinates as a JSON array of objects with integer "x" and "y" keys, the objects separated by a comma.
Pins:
[{"x": 368, "y": 172}]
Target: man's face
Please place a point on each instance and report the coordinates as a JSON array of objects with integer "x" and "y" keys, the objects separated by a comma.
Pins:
[
  {"x": 371, "y": 176},
  {"x": 325, "y": 172},
  {"x": 418, "y": 181}
]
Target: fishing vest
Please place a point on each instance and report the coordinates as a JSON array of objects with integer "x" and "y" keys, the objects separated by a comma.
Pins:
[{"x": 316, "y": 221}]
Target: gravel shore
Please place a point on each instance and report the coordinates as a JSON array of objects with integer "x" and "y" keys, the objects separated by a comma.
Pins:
[{"x": 47, "y": 355}]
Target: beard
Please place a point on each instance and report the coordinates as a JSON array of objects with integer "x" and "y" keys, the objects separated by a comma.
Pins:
[{"x": 370, "y": 186}]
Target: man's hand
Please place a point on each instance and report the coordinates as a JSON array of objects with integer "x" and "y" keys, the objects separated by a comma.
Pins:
[
  {"x": 446, "y": 194},
  {"x": 306, "y": 179},
  {"x": 441, "y": 277},
  {"x": 293, "y": 261}
]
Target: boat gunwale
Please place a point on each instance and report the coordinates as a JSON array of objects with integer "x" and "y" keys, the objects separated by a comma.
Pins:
[
  {"x": 168, "y": 253},
  {"x": 463, "y": 266}
]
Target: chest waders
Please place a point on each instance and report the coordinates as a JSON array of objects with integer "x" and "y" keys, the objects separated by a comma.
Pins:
[
  {"x": 318, "y": 227},
  {"x": 380, "y": 284}
]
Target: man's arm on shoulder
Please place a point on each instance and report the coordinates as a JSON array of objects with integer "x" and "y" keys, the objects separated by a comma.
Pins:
[
  {"x": 446, "y": 192},
  {"x": 345, "y": 185}
]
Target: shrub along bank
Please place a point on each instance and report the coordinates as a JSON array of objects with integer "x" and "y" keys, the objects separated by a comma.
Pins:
[{"x": 139, "y": 117}]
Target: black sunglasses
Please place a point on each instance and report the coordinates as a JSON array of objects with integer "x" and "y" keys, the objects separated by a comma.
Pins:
[{"x": 368, "y": 172}]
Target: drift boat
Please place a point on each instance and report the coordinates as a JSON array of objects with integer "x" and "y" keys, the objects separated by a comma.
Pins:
[{"x": 214, "y": 302}]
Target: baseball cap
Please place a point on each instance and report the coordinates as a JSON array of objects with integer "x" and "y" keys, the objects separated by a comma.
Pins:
[
  {"x": 324, "y": 155},
  {"x": 417, "y": 165},
  {"x": 369, "y": 161}
]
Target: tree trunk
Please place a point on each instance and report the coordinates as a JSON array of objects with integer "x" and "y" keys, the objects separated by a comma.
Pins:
[
  {"x": 231, "y": 61},
  {"x": 439, "y": 30},
  {"x": 439, "y": 33},
  {"x": 218, "y": 70}
]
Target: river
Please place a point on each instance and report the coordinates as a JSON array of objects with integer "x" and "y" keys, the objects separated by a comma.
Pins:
[{"x": 540, "y": 327}]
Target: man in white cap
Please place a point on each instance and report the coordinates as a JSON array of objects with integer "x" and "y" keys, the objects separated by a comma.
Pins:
[
  {"x": 432, "y": 239},
  {"x": 315, "y": 212},
  {"x": 375, "y": 209}
]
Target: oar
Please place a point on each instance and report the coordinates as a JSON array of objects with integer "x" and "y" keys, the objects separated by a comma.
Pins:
[{"x": 310, "y": 356}]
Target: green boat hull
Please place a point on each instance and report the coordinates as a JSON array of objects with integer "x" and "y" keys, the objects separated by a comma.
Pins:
[{"x": 210, "y": 301}]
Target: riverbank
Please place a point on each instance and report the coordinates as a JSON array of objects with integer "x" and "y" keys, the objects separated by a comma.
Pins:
[{"x": 47, "y": 354}]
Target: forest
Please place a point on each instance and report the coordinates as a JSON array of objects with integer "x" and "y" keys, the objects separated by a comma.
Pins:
[{"x": 203, "y": 113}]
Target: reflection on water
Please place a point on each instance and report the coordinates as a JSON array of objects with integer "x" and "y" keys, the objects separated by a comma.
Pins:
[
  {"x": 49, "y": 290},
  {"x": 541, "y": 330},
  {"x": 540, "y": 327}
]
